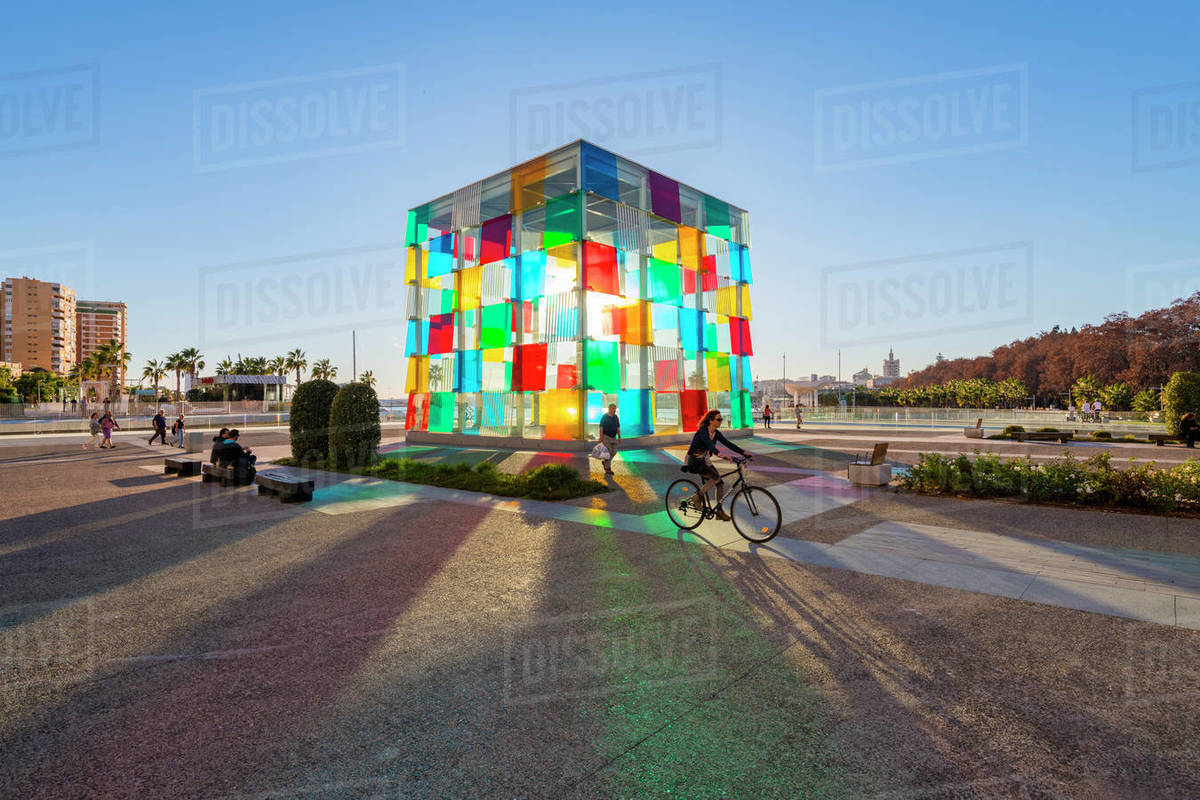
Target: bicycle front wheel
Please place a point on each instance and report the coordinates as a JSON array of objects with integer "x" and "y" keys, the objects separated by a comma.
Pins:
[
  {"x": 755, "y": 514},
  {"x": 682, "y": 497}
]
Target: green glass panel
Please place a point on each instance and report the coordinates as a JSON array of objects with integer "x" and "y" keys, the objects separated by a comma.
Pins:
[
  {"x": 710, "y": 336},
  {"x": 418, "y": 226},
  {"x": 441, "y": 412},
  {"x": 739, "y": 410},
  {"x": 664, "y": 282},
  {"x": 496, "y": 326},
  {"x": 716, "y": 217},
  {"x": 603, "y": 366},
  {"x": 563, "y": 220}
]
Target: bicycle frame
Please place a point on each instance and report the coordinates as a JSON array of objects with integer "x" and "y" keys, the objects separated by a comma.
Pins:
[{"x": 741, "y": 481}]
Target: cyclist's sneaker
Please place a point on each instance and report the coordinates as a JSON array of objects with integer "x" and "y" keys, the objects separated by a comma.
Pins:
[{"x": 720, "y": 514}]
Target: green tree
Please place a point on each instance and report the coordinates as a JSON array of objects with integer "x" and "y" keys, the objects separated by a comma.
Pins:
[
  {"x": 1146, "y": 400},
  {"x": 38, "y": 386},
  {"x": 1117, "y": 396},
  {"x": 5, "y": 378},
  {"x": 194, "y": 361},
  {"x": 368, "y": 378},
  {"x": 309, "y": 420},
  {"x": 353, "y": 426},
  {"x": 1086, "y": 390},
  {"x": 1180, "y": 395}
]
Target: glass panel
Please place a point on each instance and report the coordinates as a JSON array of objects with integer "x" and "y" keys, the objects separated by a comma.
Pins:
[
  {"x": 600, "y": 172},
  {"x": 603, "y": 366},
  {"x": 564, "y": 221},
  {"x": 716, "y": 217},
  {"x": 664, "y": 196},
  {"x": 636, "y": 409},
  {"x": 693, "y": 404},
  {"x": 497, "y": 239},
  {"x": 495, "y": 199},
  {"x": 529, "y": 368},
  {"x": 600, "y": 268}
]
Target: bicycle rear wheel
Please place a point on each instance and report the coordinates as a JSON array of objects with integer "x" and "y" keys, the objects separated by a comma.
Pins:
[
  {"x": 681, "y": 498},
  {"x": 755, "y": 514}
]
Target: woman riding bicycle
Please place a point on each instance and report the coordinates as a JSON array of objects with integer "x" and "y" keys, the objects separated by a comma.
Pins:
[{"x": 700, "y": 453}]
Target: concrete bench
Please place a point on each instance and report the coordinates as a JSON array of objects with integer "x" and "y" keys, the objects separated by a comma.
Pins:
[
  {"x": 871, "y": 471},
  {"x": 287, "y": 489},
  {"x": 225, "y": 475},
  {"x": 1160, "y": 439},
  {"x": 1043, "y": 436},
  {"x": 181, "y": 466}
]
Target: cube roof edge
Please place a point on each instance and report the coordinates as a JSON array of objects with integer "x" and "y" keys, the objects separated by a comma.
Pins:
[{"x": 576, "y": 144}]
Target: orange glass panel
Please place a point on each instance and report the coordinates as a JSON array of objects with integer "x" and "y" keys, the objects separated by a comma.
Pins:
[
  {"x": 528, "y": 184},
  {"x": 691, "y": 247}
]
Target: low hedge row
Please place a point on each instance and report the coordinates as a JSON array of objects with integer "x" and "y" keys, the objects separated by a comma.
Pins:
[
  {"x": 1093, "y": 481},
  {"x": 549, "y": 482}
]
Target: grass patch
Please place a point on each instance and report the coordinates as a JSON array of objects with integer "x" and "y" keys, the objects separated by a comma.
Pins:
[{"x": 1091, "y": 482}]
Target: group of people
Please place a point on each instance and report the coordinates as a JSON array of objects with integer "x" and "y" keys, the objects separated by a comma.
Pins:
[
  {"x": 1088, "y": 412},
  {"x": 101, "y": 425},
  {"x": 228, "y": 452},
  {"x": 159, "y": 422}
]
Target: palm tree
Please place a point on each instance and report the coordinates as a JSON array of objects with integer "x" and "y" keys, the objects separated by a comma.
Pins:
[
  {"x": 194, "y": 359},
  {"x": 178, "y": 364},
  {"x": 297, "y": 360},
  {"x": 225, "y": 366},
  {"x": 277, "y": 365},
  {"x": 323, "y": 371},
  {"x": 154, "y": 371},
  {"x": 368, "y": 378}
]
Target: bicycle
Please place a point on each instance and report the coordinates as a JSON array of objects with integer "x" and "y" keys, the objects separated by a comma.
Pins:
[{"x": 753, "y": 510}]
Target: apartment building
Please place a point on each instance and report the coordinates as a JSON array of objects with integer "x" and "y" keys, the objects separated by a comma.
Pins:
[
  {"x": 37, "y": 324},
  {"x": 96, "y": 323}
]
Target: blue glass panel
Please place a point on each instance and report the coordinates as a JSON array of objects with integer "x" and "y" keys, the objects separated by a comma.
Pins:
[
  {"x": 441, "y": 256},
  {"x": 567, "y": 324},
  {"x": 595, "y": 407},
  {"x": 491, "y": 409},
  {"x": 739, "y": 262},
  {"x": 747, "y": 381},
  {"x": 633, "y": 407},
  {"x": 470, "y": 371},
  {"x": 600, "y": 172},
  {"x": 691, "y": 321},
  {"x": 529, "y": 275}
]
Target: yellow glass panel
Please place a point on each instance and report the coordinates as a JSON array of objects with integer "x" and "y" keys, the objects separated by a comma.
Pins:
[
  {"x": 527, "y": 184},
  {"x": 558, "y": 410},
  {"x": 470, "y": 284},
  {"x": 494, "y": 354},
  {"x": 717, "y": 367},
  {"x": 667, "y": 251},
  {"x": 410, "y": 267},
  {"x": 726, "y": 301},
  {"x": 746, "y": 302},
  {"x": 691, "y": 247},
  {"x": 417, "y": 379}
]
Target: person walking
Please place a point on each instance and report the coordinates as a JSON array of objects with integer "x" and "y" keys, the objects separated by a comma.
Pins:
[
  {"x": 94, "y": 430},
  {"x": 610, "y": 435},
  {"x": 767, "y": 414},
  {"x": 160, "y": 427},
  {"x": 107, "y": 424},
  {"x": 177, "y": 429}
]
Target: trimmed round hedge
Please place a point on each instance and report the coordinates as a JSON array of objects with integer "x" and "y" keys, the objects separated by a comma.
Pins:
[
  {"x": 353, "y": 426},
  {"x": 1179, "y": 396},
  {"x": 309, "y": 421}
]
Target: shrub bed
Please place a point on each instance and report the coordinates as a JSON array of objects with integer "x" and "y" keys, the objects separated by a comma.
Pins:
[
  {"x": 309, "y": 421},
  {"x": 353, "y": 426},
  {"x": 549, "y": 482},
  {"x": 1093, "y": 481}
]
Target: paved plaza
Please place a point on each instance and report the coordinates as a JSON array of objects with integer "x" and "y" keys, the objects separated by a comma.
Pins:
[{"x": 164, "y": 637}]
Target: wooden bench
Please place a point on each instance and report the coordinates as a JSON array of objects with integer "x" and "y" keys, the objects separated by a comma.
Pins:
[
  {"x": 287, "y": 489},
  {"x": 225, "y": 475},
  {"x": 1160, "y": 439},
  {"x": 181, "y": 466},
  {"x": 1043, "y": 436}
]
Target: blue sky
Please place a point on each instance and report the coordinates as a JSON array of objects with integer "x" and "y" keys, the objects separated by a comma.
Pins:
[{"x": 1049, "y": 176}]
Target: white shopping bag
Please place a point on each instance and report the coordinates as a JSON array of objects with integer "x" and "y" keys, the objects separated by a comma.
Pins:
[{"x": 601, "y": 452}]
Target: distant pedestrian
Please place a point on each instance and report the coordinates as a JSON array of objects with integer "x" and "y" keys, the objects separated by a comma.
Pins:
[
  {"x": 159, "y": 421},
  {"x": 767, "y": 414},
  {"x": 177, "y": 431},
  {"x": 1085, "y": 411},
  {"x": 610, "y": 435},
  {"x": 1096, "y": 408},
  {"x": 94, "y": 430},
  {"x": 1189, "y": 430},
  {"x": 107, "y": 423}
]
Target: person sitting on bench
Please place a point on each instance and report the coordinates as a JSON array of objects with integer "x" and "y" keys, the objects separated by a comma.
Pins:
[
  {"x": 1189, "y": 430},
  {"x": 239, "y": 459},
  {"x": 218, "y": 443}
]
